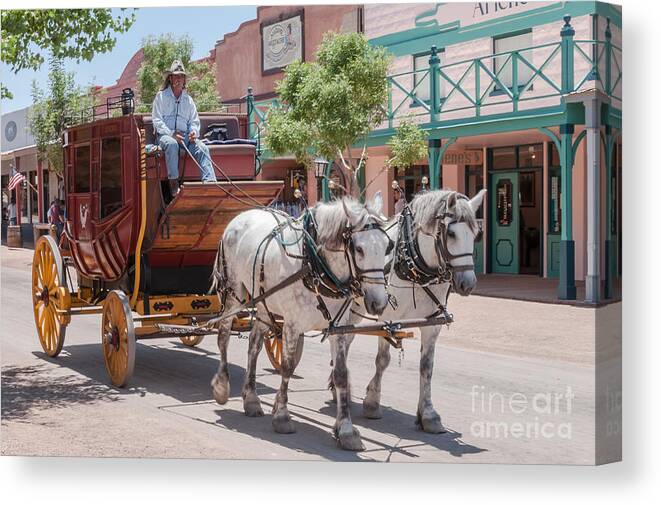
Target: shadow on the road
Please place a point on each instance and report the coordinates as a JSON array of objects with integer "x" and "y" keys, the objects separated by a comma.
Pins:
[
  {"x": 309, "y": 438},
  {"x": 402, "y": 426},
  {"x": 183, "y": 373},
  {"x": 30, "y": 389}
]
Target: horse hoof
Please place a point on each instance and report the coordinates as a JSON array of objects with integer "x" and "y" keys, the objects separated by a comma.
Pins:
[
  {"x": 372, "y": 410},
  {"x": 253, "y": 408},
  {"x": 283, "y": 425},
  {"x": 221, "y": 390},
  {"x": 349, "y": 440},
  {"x": 431, "y": 424}
]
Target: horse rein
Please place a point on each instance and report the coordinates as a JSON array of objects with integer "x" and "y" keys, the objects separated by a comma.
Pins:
[{"x": 357, "y": 275}]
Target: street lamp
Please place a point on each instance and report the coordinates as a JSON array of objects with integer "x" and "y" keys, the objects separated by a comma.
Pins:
[{"x": 320, "y": 166}]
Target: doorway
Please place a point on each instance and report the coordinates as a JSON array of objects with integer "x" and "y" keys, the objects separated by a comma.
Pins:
[{"x": 516, "y": 209}]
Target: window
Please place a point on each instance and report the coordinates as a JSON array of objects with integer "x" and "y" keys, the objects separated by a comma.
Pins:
[
  {"x": 111, "y": 177},
  {"x": 530, "y": 156},
  {"x": 81, "y": 170},
  {"x": 420, "y": 64},
  {"x": 503, "y": 65},
  {"x": 504, "y": 158}
]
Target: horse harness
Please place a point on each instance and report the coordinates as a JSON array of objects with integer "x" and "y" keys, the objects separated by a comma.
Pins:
[
  {"x": 409, "y": 264},
  {"x": 315, "y": 273}
]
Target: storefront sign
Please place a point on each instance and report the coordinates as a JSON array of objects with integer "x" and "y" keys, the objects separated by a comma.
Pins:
[
  {"x": 466, "y": 13},
  {"x": 473, "y": 157},
  {"x": 282, "y": 43}
]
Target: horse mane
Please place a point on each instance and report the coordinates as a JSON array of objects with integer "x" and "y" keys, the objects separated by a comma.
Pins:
[
  {"x": 428, "y": 206},
  {"x": 331, "y": 219}
]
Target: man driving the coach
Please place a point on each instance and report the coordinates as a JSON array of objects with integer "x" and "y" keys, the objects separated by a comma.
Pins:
[{"x": 177, "y": 123}]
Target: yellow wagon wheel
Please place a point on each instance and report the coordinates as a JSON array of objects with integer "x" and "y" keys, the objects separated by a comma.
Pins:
[
  {"x": 50, "y": 296},
  {"x": 273, "y": 346},
  {"x": 191, "y": 340},
  {"x": 118, "y": 338}
]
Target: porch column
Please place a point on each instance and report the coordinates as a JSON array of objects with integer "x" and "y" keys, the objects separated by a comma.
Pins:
[
  {"x": 610, "y": 246},
  {"x": 434, "y": 164},
  {"x": 567, "y": 283},
  {"x": 593, "y": 277},
  {"x": 19, "y": 193},
  {"x": 40, "y": 190}
]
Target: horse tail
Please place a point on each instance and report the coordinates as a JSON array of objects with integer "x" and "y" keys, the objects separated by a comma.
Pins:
[{"x": 218, "y": 274}]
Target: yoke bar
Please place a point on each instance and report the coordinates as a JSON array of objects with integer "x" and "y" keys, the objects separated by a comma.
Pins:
[{"x": 390, "y": 327}]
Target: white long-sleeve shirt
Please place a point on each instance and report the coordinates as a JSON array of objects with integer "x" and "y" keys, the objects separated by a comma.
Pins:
[{"x": 170, "y": 114}]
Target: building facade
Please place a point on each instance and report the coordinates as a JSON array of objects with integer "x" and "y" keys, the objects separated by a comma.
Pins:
[
  {"x": 524, "y": 99},
  {"x": 19, "y": 151}
]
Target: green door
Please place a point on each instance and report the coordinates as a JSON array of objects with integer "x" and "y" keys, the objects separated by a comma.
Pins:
[{"x": 505, "y": 223}]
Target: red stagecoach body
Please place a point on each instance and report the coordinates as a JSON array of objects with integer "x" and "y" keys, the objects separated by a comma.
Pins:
[{"x": 106, "y": 201}]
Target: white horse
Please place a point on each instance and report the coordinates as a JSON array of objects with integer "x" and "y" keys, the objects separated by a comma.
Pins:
[
  {"x": 350, "y": 239},
  {"x": 445, "y": 228}
]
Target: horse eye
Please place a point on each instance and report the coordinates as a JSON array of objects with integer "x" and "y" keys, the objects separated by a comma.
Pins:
[
  {"x": 451, "y": 234},
  {"x": 359, "y": 250}
]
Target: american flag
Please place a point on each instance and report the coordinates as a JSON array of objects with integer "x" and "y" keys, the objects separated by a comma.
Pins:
[{"x": 16, "y": 179}]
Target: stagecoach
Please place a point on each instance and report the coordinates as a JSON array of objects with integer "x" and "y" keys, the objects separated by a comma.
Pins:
[{"x": 129, "y": 247}]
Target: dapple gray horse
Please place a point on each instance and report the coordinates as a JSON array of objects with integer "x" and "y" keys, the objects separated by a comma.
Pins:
[
  {"x": 245, "y": 245},
  {"x": 458, "y": 217}
]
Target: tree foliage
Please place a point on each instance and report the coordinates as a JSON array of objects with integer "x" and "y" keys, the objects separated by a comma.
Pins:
[
  {"x": 331, "y": 104},
  {"x": 159, "y": 52},
  {"x": 408, "y": 145},
  {"x": 64, "y": 33},
  {"x": 53, "y": 111}
]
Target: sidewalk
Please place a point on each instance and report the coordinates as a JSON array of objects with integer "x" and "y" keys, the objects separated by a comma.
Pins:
[{"x": 535, "y": 289}]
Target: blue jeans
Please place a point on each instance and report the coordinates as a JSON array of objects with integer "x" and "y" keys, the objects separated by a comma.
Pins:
[{"x": 199, "y": 151}]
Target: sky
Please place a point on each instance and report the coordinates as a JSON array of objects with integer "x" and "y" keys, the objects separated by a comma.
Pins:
[{"x": 205, "y": 25}]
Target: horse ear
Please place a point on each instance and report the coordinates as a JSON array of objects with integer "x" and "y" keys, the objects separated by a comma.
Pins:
[
  {"x": 452, "y": 201},
  {"x": 376, "y": 206},
  {"x": 477, "y": 200},
  {"x": 354, "y": 217}
]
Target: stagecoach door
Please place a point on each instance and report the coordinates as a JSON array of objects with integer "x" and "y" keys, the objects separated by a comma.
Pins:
[{"x": 504, "y": 222}]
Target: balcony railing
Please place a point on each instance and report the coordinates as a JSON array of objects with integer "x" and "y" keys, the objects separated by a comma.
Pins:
[
  {"x": 506, "y": 82},
  {"x": 509, "y": 81}
]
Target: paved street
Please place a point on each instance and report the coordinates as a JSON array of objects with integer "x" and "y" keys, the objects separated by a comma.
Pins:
[{"x": 513, "y": 383}]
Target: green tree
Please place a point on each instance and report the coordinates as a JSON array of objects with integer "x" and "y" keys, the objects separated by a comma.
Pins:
[
  {"x": 64, "y": 33},
  {"x": 408, "y": 145},
  {"x": 331, "y": 104},
  {"x": 159, "y": 52},
  {"x": 54, "y": 110}
]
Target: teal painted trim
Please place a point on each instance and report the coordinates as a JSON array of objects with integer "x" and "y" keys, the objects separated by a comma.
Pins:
[
  {"x": 575, "y": 145},
  {"x": 418, "y": 40},
  {"x": 566, "y": 169},
  {"x": 495, "y": 123},
  {"x": 553, "y": 255},
  {"x": 325, "y": 190},
  {"x": 552, "y": 136},
  {"x": 434, "y": 160},
  {"x": 610, "y": 11}
]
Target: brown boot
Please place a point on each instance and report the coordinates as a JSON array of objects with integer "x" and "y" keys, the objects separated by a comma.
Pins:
[{"x": 174, "y": 187}]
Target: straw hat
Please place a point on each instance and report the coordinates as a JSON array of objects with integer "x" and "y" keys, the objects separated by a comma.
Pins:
[{"x": 177, "y": 68}]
